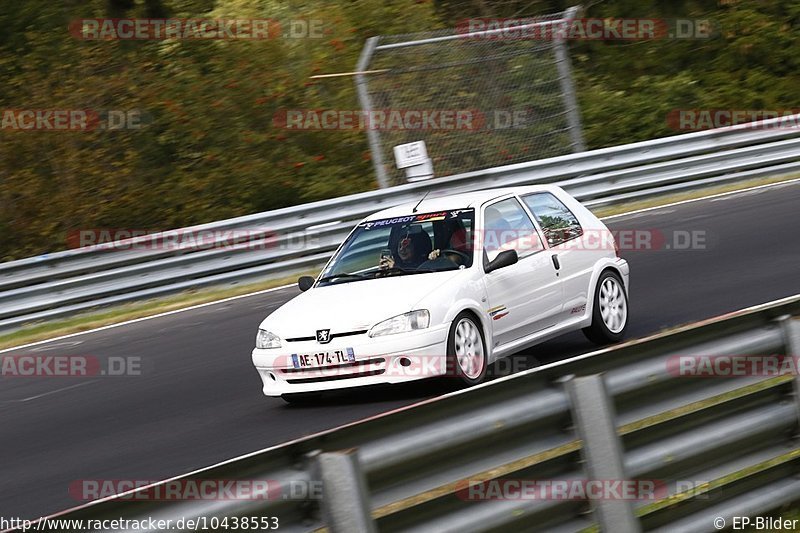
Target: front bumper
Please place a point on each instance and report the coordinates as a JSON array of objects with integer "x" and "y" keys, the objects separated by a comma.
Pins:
[{"x": 389, "y": 359}]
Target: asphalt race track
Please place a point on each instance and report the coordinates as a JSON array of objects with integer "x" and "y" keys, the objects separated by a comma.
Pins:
[{"x": 198, "y": 400}]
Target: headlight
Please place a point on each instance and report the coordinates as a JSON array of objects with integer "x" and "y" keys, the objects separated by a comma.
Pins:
[
  {"x": 410, "y": 321},
  {"x": 265, "y": 340}
]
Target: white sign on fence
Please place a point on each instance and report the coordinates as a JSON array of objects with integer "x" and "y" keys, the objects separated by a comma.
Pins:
[{"x": 411, "y": 154}]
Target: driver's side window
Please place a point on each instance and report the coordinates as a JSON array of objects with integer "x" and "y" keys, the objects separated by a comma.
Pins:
[
  {"x": 506, "y": 226},
  {"x": 363, "y": 252}
]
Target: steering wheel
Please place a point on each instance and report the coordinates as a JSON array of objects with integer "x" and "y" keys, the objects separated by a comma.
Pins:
[{"x": 463, "y": 256}]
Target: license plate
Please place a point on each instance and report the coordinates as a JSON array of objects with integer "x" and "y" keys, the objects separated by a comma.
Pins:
[{"x": 321, "y": 359}]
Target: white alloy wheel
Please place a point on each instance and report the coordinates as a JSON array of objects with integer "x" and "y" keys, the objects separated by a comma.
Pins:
[
  {"x": 613, "y": 305},
  {"x": 469, "y": 348}
]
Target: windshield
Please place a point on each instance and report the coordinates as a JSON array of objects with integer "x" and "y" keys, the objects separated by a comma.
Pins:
[{"x": 413, "y": 244}]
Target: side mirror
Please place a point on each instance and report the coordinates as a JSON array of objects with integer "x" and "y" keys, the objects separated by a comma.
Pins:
[
  {"x": 305, "y": 283},
  {"x": 503, "y": 259}
]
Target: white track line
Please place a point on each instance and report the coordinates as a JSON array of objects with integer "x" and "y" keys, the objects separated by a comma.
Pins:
[
  {"x": 702, "y": 198},
  {"x": 198, "y": 306},
  {"x": 24, "y": 400},
  {"x": 142, "y": 319}
]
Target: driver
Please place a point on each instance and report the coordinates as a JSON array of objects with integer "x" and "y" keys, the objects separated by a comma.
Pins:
[
  {"x": 410, "y": 254},
  {"x": 457, "y": 243}
]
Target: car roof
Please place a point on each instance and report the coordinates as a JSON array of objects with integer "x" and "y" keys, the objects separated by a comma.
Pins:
[{"x": 457, "y": 201}]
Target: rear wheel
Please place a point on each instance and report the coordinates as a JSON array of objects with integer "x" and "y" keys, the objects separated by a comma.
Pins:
[
  {"x": 610, "y": 310},
  {"x": 466, "y": 349}
]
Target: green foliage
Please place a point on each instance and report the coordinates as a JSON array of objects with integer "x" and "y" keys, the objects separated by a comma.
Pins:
[
  {"x": 210, "y": 149},
  {"x": 626, "y": 90}
]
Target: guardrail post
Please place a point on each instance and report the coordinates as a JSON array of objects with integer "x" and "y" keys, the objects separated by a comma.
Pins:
[
  {"x": 568, "y": 91},
  {"x": 594, "y": 418},
  {"x": 345, "y": 500},
  {"x": 791, "y": 340}
]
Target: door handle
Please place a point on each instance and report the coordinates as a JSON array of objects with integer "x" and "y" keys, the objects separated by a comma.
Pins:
[{"x": 556, "y": 262}]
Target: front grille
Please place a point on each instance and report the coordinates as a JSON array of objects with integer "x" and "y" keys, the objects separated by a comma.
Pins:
[
  {"x": 320, "y": 379},
  {"x": 333, "y": 336}
]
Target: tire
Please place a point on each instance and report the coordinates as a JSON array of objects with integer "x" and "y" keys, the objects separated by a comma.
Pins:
[
  {"x": 465, "y": 337},
  {"x": 301, "y": 398},
  {"x": 609, "y": 318}
]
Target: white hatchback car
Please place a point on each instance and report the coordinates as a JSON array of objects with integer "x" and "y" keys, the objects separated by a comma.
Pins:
[{"x": 446, "y": 286}]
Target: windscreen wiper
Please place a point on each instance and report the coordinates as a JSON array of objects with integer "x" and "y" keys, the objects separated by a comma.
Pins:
[
  {"x": 401, "y": 270},
  {"x": 342, "y": 275}
]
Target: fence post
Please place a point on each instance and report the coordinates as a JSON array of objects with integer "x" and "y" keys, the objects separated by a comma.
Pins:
[
  {"x": 565, "y": 79},
  {"x": 366, "y": 106},
  {"x": 345, "y": 500},
  {"x": 594, "y": 417}
]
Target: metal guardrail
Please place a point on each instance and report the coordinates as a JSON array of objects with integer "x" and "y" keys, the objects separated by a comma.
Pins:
[
  {"x": 301, "y": 237},
  {"x": 618, "y": 413}
]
